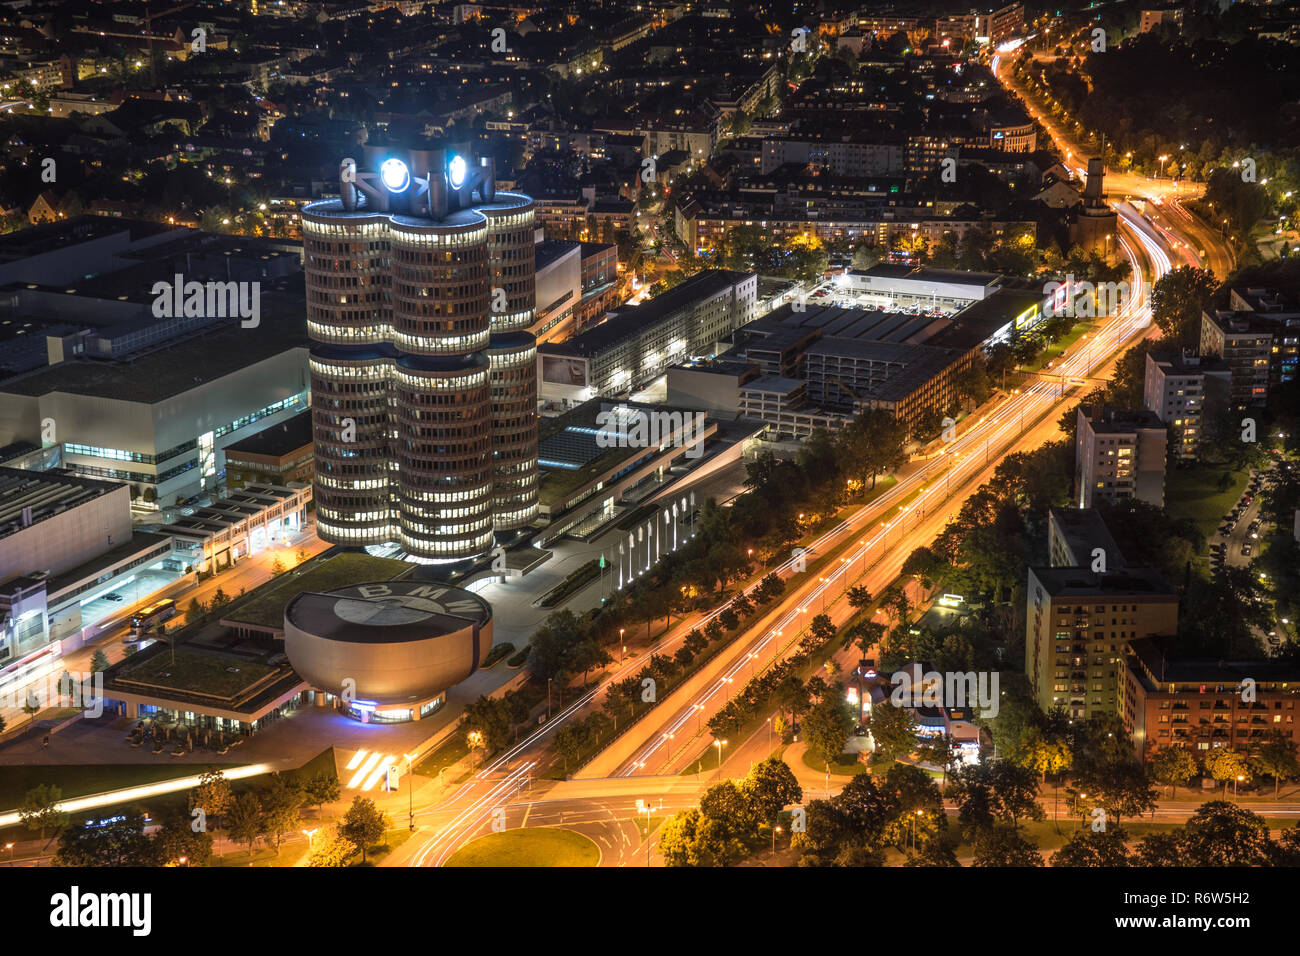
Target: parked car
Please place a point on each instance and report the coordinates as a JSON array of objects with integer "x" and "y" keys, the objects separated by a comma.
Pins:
[
  {"x": 114, "y": 597},
  {"x": 1246, "y": 549}
]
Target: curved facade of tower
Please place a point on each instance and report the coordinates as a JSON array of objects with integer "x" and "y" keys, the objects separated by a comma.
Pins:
[
  {"x": 424, "y": 395},
  {"x": 513, "y": 354}
]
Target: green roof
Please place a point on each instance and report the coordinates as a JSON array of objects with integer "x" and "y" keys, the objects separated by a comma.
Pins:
[
  {"x": 265, "y": 606},
  {"x": 221, "y": 677}
]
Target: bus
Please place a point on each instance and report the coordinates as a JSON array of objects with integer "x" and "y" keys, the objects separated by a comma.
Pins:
[{"x": 146, "y": 618}]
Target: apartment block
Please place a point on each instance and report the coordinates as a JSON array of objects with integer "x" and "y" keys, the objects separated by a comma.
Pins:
[
  {"x": 1201, "y": 705},
  {"x": 1182, "y": 390},
  {"x": 1119, "y": 455},
  {"x": 1079, "y": 626},
  {"x": 1246, "y": 347}
]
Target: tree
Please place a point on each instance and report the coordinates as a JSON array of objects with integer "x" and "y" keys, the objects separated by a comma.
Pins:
[
  {"x": 916, "y": 807},
  {"x": 586, "y": 656},
  {"x": 769, "y": 588},
  {"x": 1088, "y": 848},
  {"x": 828, "y": 726},
  {"x": 742, "y": 605},
  {"x": 1046, "y": 755},
  {"x": 244, "y": 820},
  {"x": 820, "y": 629},
  {"x": 492, "y": 717},
  {"x": 281, "y": 808},
  {"x": 334, "y": 851},
  {"x": 363, "y": 824},
  {"x": 998, "y": 793},
  {"x": 727, "y": 825},
  {"x": 1178, "y": 299},
  {"x": 1225, "y": 764},
  {"x": 569, "y": 742},
  {"x": 1287, "y": 851},
  {"x": 219, "y": 599},
  {"x": 893, "y": 731},
  {"x": 792, "y": 695},
  {"x": 40, "y": 812},
  {"x": 859, "y": 597},
  {"x": 277, "y": 568},
  {"x": 691, "y": 838},
  {"x": 322, "y": 788},
  {"x": 934, "y": 852},
  {"x": 897, "y": 601},
  {"x": 99, "y": 661},
  {"x": 1276, "y": 758},
  {"x": 1173, "y": 767},
  {"x": 119, "y": 843},
  {"x": 677, "y": 839},
  {"x": 176, "y": 840},
  {"x": 1159, "y": 849},
  {"x": 1221, "y": 833},
  {"x": 865, "y": 635},
  {"x": 213, "y": 795},
  {"x": 552, "y": 643},
  {"x": 1002, "y": 845},
  {"x": 769, "y": 788},
  {"x": 1122, "y": 790}
]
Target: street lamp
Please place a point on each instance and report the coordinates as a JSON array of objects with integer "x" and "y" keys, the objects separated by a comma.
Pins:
[
  {"x": 719, "y": 744},
  {"x": 309, "y": 834},
  {"x": 621, "y": 631},
  {"x": 10, "y": 848},
  {"x": 775, "y": 831},
  {"x": 410, "y": 787},
  {"x": 646, "y": 809},
  {"x": 699, "y": 717}
]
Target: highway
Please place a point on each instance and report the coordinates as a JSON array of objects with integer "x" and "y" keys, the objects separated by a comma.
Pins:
[
  {"x": 1184, "y": 234},
  {"x": 868, "y": 548},
  {"x": 867, "y": 541}
]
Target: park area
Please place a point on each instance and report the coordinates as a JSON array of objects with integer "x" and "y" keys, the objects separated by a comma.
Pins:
[{"x": 541, "y": 846}]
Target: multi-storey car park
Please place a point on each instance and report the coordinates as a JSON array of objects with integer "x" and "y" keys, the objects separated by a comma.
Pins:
[{"x": 420, "y": 286}]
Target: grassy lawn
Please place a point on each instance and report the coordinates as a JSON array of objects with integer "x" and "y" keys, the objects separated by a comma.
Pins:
[
  {"x": 265, "y": 855},
  {"x": 846, "y": 766},
  {"x": 541, "y": 846},
  {"x": 78, "y": 780},
  {"x": 1051, "y": 353},
  {"x": 449, "y": 752},
  {"x": 1193, "y": 493},
  {"x": 376, "y": 852}
]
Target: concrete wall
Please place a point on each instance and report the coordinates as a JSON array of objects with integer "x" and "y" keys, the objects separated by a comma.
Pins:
[
  {"x": 65, "y": 540},
  {"x": 703, "y": 389}
]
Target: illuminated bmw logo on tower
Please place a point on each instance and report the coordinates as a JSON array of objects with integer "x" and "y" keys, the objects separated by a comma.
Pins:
[
  {"x": 395, "y": 175},
  {"x": 457, "y": 170}
]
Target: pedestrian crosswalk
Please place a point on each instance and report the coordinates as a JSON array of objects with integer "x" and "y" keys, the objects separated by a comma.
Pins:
[{"x": 369, "y": 769}]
